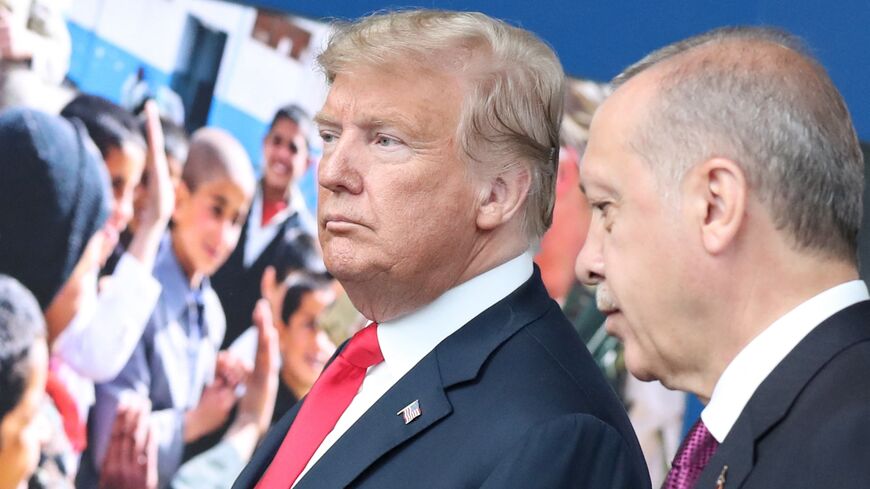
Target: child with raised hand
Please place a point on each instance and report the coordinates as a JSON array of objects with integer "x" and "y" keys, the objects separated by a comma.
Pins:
[
  {"x": 100, "y": 338},
  {"x": 176, "y": 356}
]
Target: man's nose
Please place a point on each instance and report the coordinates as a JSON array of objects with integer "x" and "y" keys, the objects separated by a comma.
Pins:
[
  {"x": 589, "y": 267},
  {"x": 337, "y": 172}
]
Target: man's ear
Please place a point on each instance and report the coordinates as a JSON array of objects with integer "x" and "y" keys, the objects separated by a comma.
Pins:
[
  {"x": 501, "y": 197},
  {"x": 717, "y": 193}
]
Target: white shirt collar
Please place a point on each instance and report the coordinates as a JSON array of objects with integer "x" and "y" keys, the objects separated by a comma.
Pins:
[
  {"x": 406, "y": 340},
  {"x": 758, "y": 359}
]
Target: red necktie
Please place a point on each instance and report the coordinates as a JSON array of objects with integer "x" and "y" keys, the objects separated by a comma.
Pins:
[
  {"x": 330, "y": 396},
  {"x": 694, "y": 454}
]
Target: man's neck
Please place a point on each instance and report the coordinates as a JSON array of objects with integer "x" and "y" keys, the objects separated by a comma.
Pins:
[{"x": 383, "y": 298}]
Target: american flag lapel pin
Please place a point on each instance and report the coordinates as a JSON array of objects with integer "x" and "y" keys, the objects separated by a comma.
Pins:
[{"x": 410, "y": 412}]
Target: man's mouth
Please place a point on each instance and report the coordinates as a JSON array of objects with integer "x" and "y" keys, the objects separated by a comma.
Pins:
[
  {"x": 338, "y": 222},
  {"x": 605, "y": 301}
]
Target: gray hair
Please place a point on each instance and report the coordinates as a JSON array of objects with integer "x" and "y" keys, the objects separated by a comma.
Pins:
[
  {"x": 512, "y": 106},
  {"x": 753, "y": 95}
]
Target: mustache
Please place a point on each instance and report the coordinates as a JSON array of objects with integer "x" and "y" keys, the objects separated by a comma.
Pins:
[{"x": 604, "y": 299}]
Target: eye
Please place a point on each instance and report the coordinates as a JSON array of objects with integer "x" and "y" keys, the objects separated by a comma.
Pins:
[
  {"x": 386, "y": 141},
  {"x": 602, "y": 209},
  {"x": 328, "y": 136},
  {"x": 216, "y": 211}
]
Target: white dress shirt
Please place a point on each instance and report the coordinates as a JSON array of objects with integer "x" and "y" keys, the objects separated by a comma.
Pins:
[
  {"x": 259, "y": 235},
  {"x": 758, "y": 359},
  {"x": 406, "y": 340}
]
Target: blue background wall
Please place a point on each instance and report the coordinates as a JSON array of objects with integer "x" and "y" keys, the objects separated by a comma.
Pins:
[{"x": 597, "y": 38}]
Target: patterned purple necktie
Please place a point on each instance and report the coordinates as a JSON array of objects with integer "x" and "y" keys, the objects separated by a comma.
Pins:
[{"x": 697, "y": 449}]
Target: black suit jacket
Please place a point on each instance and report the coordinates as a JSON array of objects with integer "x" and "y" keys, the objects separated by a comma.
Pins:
[
  {"x": 808, "y": 424},
  {"x": 512, "y": 399}
]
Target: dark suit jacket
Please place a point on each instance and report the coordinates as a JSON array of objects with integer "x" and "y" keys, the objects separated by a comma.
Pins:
[
  {"x": 238, "y": 286},
  {"x": 808, "y": 424},
  {"x": 512, "y": 399}
]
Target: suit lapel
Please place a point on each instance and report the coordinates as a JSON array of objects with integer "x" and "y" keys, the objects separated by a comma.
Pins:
[
  {"x": 381, "y": 429},
  {"x": 775, "y": 396},
  {"x": 737, "y": 454}
]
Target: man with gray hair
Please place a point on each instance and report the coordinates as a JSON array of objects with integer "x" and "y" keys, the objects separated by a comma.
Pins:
[
  {"x": 726, "y": 181},
  {"x": 440, "y": 139}
]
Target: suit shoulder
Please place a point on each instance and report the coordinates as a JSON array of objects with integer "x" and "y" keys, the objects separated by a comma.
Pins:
[
  {"x": 572, "y": 450},
  {"x": 837, "y": 393},
  {"x": 549, "y": 370},
  {"x": 559, "y": 345},
  {"x": 823, "y": 436}
]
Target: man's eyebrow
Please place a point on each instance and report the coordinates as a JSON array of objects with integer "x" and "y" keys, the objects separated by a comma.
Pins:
[
  {"x": 602, "y": 189},
  {"x": 390, "y": 119},
  {"x": 394, "y": 119},
  {"x": 322, "y": 119}
]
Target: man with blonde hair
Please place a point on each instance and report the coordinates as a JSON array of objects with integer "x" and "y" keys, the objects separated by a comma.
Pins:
[
  {"x": 440, "y": 139},
  {"x": 726, "y": 181}
]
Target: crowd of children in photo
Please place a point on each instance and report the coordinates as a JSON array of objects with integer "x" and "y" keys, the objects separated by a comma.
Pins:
[{"x": 184, "y": 301}]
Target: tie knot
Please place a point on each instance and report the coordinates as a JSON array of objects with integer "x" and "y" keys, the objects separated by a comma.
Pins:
[{"x": 363, "y": 349}]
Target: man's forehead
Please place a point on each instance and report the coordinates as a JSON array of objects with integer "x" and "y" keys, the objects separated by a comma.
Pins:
[
  {"x": 362, "y": 112},
  {"x": 594, "y": 177},
  {"x": 410, "y": 101},
  {"x": 609, "y": 144}
]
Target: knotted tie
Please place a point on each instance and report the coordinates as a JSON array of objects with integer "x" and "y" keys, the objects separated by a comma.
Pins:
[
  {"x": 321, "y": 408},
  {"x": 694, "y": 454}
]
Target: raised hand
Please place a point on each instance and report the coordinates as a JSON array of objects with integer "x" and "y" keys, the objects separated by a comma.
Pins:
[{"x": 159, "y": 202}]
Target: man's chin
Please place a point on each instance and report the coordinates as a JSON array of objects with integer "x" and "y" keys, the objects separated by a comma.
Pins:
[
  {"x": 348, "y": 274},
  {"x": 344, "y": 261},
  {"x": 638, "y": 368}
]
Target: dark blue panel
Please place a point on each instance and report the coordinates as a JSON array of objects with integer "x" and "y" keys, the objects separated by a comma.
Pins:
[{"x": 596, "y": 38}]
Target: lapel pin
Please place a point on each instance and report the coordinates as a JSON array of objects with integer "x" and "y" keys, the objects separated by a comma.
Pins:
[
  {"x": 410, "y": 412},
  {"x": 720, "y": 482}
]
